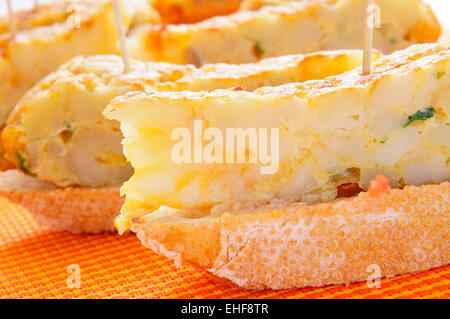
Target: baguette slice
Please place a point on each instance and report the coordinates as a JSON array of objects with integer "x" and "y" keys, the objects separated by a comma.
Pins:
[
  {"x": 291, "y": 246},
  {"x": 288, "y": 28},
  {"x": 74, "y": 209},
  {"x": 262, "y": 231}
]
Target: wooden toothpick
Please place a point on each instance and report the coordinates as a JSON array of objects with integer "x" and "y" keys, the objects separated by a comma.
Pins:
[
  {"x": 12, "y": 18},
  {"x": 369, "y": 21},
  {"x": 35, "y": 4},
  {"x": 122, "y": 39}
]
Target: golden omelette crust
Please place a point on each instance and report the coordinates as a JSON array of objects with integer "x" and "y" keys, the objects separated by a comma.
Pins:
[
  {"x": 401, "y": 231},
  {"x": 77, "y": 210},
  {"x": 190, "y": 11},
  {"x": 401, "y": 60}
]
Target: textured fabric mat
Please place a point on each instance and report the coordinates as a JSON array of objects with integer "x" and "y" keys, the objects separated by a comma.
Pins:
[{"x": 34, "y": 264}]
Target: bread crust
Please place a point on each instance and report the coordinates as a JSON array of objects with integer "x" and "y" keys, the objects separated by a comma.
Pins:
[
  {"x": 77, "y": 210},
  {"x": 401, "y": 231}
]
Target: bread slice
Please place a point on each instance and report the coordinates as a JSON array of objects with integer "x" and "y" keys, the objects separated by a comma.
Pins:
[
  {"x": 296, "y": 245},
  {"x": 288, "y": 28},
  {"x": 74, "y": 209}
]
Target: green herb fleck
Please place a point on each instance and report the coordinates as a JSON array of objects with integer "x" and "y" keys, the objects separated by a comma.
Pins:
[
  {"x": 448, "y": 124},
  {"x": 384, "y": 140},
  {"x": 67, "y": 125},
  {"x": 21, "y": 160},
  {"x": 258, "y": 50},
  {"x": 439, "y": 75},
  {"x": 421, "y": 115},
  {"x": 393, "y": 41}
]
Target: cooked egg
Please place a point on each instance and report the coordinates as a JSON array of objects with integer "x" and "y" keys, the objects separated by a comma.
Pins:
[
  {"x": 58, "y": 133},
  {"x": 327, "y": 134},
  {"x": 290, "y": 27}
]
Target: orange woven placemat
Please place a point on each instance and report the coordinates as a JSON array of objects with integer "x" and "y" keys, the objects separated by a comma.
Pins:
[{"x": 34, "y": 261}]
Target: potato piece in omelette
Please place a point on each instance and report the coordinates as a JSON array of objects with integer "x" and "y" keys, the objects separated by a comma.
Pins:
[
  {"x": 57, "y": 131},
  {"x": 342, "y": 129}
]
